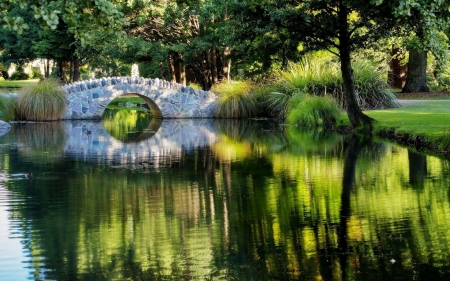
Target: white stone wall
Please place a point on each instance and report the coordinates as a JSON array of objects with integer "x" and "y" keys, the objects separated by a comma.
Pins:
[{"x": 88, "y": 99}]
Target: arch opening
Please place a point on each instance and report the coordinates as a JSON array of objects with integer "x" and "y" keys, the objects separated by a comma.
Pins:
[{"x": 128, "y": 121}]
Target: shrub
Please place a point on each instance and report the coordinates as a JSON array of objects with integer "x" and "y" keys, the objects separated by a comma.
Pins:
[
  {"x": 312, "y": 111},
  {"x": 7, "y": 106},
  {"x": 18, "y": 76},
  {"x": 235, "y": 100},
  {"x": 44, "y": 101}
]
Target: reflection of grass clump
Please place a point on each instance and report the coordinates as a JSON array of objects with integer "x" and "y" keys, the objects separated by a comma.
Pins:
[
  {"x": 7, "y": 106},
  {"x": 42, "y": 137},
  {"x": 42, "y": 102},
  {"x": 312, "y": 111},
  {"x": 235, "y": 100},
  {"x": 314, "y": 140}
]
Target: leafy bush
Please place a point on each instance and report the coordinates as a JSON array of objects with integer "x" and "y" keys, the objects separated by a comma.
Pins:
[
  {"x": 18, "y": 76},
  {"x": 235, "y": 100},
  {"x": 7, "y": 107},
  {"x": 44, "y": 101},
  {"x": 312, "y": 111}
]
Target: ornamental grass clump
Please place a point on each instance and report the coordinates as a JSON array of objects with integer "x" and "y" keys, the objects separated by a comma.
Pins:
[
  {"x": 235, "y": 100},
  {"x": 312, "y": 111},
  {"x": 42, "y": 102},
  {"x": 7, "y": 107}
]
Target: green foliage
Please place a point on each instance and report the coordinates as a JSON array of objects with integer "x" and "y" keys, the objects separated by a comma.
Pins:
[
  {"x": 17, "y": 48},
  {"x": 312, "y": 111},
  {"x": 235, "y": 100},
  {"x": 103, "y": 15},
  {"x": 7, "y": 107},
  {"x": 17, "y": 75},
  {"x": 42, "y": 102}
]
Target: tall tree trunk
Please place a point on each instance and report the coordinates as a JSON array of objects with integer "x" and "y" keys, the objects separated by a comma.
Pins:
[
  {"x": 182, "y": 71},
  {"x": 62, "y": 71},
  {"x": 416, "y": 81},
  {"x": 357, "y": 118},
  {"x": 397, "y": 74},
  {"x": 226, "y": 63},
  {"x": 72, "y": 70},
  {"x": 46, "y": 68},
  {"x": 208, "y": 67},
  {"x": 163, "y": 70},
  {"x": 170, "y": 62},
  {"x": 76, "y": 70},
  {"x": 214, "y": 74}
]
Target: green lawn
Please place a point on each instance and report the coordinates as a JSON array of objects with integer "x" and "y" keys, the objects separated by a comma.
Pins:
[
  {"x": 18, "y": 83},
  {"x": 430, "y": 120}
]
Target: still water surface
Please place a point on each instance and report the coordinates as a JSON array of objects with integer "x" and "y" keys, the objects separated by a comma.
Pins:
[{"x": 217, "y": 200}]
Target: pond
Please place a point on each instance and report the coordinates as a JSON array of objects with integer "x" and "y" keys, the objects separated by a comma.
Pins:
[{"x": 206, "y": 199}]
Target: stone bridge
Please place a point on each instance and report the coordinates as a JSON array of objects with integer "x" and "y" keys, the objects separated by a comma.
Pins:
[{"x": 88, "y": 99}]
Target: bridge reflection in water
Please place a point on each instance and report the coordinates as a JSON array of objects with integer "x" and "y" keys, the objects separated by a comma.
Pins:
[{"x": 161, "y": 138}]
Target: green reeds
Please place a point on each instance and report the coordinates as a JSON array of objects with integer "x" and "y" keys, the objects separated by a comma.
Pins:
[
  {"x": 42, "y": 102},
  {"x": 235, "y": 100},
  {"x": 312, "y": 111},
  {"x": 7, "y": 107}
]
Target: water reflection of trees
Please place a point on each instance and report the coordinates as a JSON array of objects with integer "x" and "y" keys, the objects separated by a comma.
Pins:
[{"x": 246, "y": 209}]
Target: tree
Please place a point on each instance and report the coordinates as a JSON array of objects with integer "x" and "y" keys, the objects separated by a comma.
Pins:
[
  {"x": 16, "y": 48},
  {"x": 338, "y": 26},
  {"x": 81, "y": 16},
  {"x": 426, "y": 21}
]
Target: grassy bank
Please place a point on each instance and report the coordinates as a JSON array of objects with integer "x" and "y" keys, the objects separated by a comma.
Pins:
[{"x": 424, "y": 125}]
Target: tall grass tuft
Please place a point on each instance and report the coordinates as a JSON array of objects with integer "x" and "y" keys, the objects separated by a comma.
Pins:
[
  {"x": 312, "y": 111},
  {"x": 235, "y": 100},
  {"x": 7, "y": 107},
  {"x": 42, "y": 102}
]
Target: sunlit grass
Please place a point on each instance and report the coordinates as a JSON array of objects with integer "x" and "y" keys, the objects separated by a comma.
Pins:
[
  {"x": 18, "y": 83},
  {"x": 430, "y": 120},
  {"x": 124, "y": 99}
]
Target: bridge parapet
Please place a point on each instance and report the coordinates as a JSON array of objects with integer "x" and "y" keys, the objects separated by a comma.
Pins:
[{"x": 88, "y": 99}]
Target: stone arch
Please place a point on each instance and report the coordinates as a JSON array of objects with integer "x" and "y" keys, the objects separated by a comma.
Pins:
[{"x": 88, "y": 99}]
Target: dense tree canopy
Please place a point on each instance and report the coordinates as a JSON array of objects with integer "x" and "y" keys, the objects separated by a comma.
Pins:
[{"x": 81, "y": 16}]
